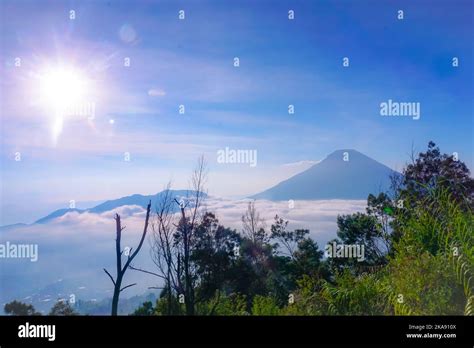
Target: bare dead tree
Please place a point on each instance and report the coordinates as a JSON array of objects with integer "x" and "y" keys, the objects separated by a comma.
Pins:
[
  {"x": 190, "y": 215},
  {"x": 172, "y": 238},
  {"x": 118, "y": 252},
  {"x": 253, "y": 226},
  {"x": 164, "y": 252}
]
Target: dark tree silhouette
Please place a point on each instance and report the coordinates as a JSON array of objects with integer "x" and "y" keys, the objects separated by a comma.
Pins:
[
  {"x": 253, "y": 226},
  {"x": 185, "y": 233},
  {"x": 20, "y": 308},
  {"x": 173, "y": 241},
  {"x": 62, "y": 308},
  {"x": 118, "y": 252},
  {"x": 433, "y": 169},
  {"x": 146, "y": 309},
  {"x": 214, "y": 255}
]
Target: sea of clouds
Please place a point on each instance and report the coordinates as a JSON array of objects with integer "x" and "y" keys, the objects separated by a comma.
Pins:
[{"x": 73, "y": 249}]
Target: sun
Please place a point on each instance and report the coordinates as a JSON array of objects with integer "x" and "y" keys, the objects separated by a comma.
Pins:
[
  {"x": 63, "y": 92},
  {"x": 62, "y": 88}
]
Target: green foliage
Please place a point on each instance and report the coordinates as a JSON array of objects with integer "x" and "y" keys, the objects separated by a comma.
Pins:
[
  {"x": 265, "y": 305},
  {"x": 359, "y": 229},
  {"x": 353, "y": 295},
  {"x": 424, "y": 283},
  {"x": 307, "y": 298},
  {"x": 62, "y": 308},
  {"x": 231, "y": 305},
  {"x": 419, "y": 256},
  {"x": 286, "y": 240},
  {"x": 433, "y": 266},
  {"x": 162, "y": 306},
  {"x": 307, "y": 258},
  {"x": 433, "y": 170},
  {"x": 464, "y": 276},
  {"x": 214, "y": 255},
  {"x": 146, "y": 309},
  {"x": 295, "y": 256},
  {"x": 20, "y": 308}
]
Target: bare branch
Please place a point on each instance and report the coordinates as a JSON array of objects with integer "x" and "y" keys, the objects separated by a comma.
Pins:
[
  {"x": 118, "y": 249},
  {"x": 252, "y": 223},
  {"x": 118, "y": 252},
  {"x": 148, "y": 272},
  {"x": 128, "y": 286},
  {"x": 142, "y": 239},
  {"x": 112, "y": 279}
]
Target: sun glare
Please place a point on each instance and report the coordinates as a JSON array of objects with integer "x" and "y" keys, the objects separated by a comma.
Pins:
[
  {"x": 63, "y": 94},
  {"x": 62, "y": 88}
]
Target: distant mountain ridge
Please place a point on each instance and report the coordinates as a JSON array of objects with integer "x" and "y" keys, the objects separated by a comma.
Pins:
[
  {"x": 344, "y": 174},
  {"x": 57, "y": 213},
  {"x": 136, "y": 199}
]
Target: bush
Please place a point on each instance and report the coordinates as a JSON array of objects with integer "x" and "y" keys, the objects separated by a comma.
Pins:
[
  {"x": 264, "y": 305},
  {"x": 431, "y": 271}
]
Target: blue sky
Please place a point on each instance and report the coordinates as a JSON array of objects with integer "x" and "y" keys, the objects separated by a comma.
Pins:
[{"x": 190, "y": 62}]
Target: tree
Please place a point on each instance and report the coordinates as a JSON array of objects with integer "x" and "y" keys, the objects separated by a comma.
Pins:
[
  {"x": 167, "y": 246},
  {"x": 62, "y": 308},
  {"x": 164, "y": 249},
  {"x": 184, "y": 236},
  {"x": 285, "y": 239},
  {"x": 361, "y": 230},
  {"x": 264, "y": 305},
  {"x": 215, "y": 251},
  {"x": 433, "y": 266},
  {"x": 308, "y": 259},
  {"x": 146, "y": 309},
  {"x": 296, "y": 255},
  {"x": 432, "y": 169},
  {"x": 254, "y": 267},
  {"x": 256, "y": 249},
  {"x": 382, "y": 208},
  {"x": 173, "y": 241},
  {"x": 253, "y": 226},
  {"x": 118, "y": 253},
  {"x": 353, "y": 295},
  {"x": 20, "y": 308}
]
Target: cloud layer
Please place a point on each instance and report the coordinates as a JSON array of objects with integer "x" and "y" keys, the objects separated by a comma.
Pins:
[{"x": 76, "y": 246}]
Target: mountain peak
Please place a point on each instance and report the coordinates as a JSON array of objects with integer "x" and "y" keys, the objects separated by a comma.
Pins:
[
  {"x": 343, "y": 174},
  {"x": 340, "y": 153}
]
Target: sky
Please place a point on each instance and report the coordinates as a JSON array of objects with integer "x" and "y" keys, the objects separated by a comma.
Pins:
[{"x": 190, "y": 62}]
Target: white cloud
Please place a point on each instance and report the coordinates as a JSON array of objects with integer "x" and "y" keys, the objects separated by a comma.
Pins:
[
  {"x": 306, "y": 163},
  {"x": 77, "y": 246},
  {"x": 317, "y": 216},
  {"x": 156, "y": 92},
  {"x": 125, "y": 211}
]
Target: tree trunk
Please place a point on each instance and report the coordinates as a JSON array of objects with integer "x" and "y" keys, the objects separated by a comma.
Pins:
[
  {"x": 118, "y": 254},
  {"x": 115, "y": 298}
]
